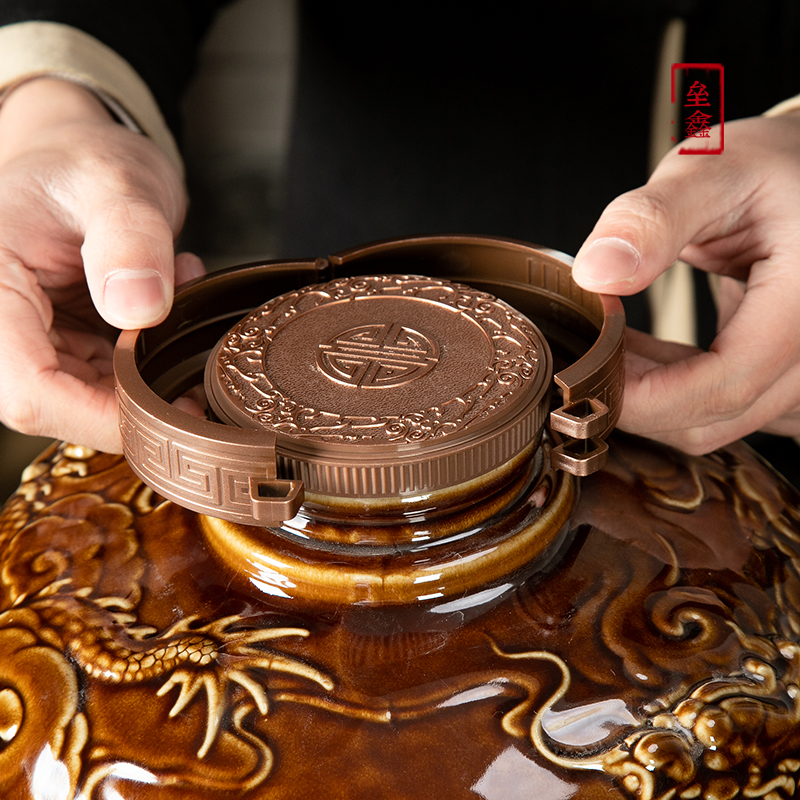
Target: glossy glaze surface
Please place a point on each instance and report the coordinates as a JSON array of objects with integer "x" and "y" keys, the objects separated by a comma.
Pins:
[{"x": 653, "y": 654}]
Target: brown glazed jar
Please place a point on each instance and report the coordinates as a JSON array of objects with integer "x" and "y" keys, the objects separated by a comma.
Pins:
[{"x": 383, "y": 568}]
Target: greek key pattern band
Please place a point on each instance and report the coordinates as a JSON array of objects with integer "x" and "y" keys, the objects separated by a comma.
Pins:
[
  {"x": 166, "y": 464},
  {"x": 204, "y": 479}
]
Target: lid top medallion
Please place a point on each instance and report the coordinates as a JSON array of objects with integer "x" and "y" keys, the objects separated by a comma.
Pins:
[{"x": 379, "y": 359}]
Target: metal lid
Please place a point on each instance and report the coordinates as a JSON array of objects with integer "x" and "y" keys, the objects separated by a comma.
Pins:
[
  {"x": 384, "y": 385},
  {"x": 438, "y": 436}
]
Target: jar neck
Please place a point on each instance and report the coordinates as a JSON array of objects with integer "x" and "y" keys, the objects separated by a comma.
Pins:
[
  {"x": 399, "y": 522},
  {"x": 325, "y": 556}
]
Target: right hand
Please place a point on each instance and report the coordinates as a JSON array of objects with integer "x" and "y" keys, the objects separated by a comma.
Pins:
[
  {"x": 735, "y": 215},
  {"x": 88, "y": 215}
]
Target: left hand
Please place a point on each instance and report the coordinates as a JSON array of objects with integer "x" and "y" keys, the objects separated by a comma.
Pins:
[{"x": 88, "y": 215}]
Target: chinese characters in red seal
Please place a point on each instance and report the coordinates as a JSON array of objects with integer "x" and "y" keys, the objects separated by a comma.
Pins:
[
  {"x": 697, "y": 126},
  {"x": 698, "y": 93}
]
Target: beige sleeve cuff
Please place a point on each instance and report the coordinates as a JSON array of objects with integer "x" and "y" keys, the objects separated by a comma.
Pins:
[
  {"x": 792, "y": 104},
  {"x": 35, "y": 49}
]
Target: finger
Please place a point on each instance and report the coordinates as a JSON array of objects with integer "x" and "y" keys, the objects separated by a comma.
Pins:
[
  {"x": 88, "y": 357},
  {"x": 129, "y": 263},
  {"x": 188, "y": 266},
  {"x": 37, "y": 396},
  {"x": 729, "y": 295},
  {"x": 736, "y": 387},
  {"x": 189, "y": 406},
  {"x": 652, "y": 366},
  {"x": 780, "y": 399},
  {"x": 673, "y": 393},
  {"x": 642, "y": 232},
  {"x": 639, "y": 345}
]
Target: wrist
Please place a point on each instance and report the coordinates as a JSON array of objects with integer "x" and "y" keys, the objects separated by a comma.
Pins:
[
  {"x": 41, "y": 104},
  {"x": 790, "y": 112}
]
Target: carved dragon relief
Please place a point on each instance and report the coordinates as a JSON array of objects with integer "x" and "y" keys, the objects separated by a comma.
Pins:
[
  {"x": 711, "y": 744},
  {"x": 70, "y": 597},
  {"x": 731, "y": 735}
]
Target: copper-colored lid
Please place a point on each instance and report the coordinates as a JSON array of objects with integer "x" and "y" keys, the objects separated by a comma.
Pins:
[
  {"x": 425, "y": 418},
  {"x": 384, "y": 385}
]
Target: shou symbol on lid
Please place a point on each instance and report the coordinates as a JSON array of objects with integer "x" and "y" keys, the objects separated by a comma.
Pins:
[{"x": 377, "y": 356}]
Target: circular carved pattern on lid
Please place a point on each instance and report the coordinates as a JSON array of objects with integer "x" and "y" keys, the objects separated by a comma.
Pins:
[
  {"x": 378, "y": 355},
  {"x": 387, "y": 358}
]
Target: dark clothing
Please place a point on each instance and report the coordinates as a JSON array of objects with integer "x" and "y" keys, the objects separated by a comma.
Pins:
[
  {"x": 159, "y": 38},
  {"x": 420, "y": 117},
  {"x": 494, "y": 123}
]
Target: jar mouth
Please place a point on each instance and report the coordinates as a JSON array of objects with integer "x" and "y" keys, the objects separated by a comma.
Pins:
[
  {"x": 499, "y": 550},
  {"x": 449, "y": 514}
]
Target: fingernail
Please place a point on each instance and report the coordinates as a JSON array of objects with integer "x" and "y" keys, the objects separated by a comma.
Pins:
[
  {"x": 607, "y": 261},
  {"x": 135, "y": 298}
]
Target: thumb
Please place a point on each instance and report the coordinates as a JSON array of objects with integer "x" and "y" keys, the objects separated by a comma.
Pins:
[
  {"x": 639, "y": 235},
  {"x": 129, "y": 262}
]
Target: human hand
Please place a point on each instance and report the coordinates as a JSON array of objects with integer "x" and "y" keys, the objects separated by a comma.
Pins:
[
  {"x": 738, "y": 215},
  {"x": 88, "y": 214}
]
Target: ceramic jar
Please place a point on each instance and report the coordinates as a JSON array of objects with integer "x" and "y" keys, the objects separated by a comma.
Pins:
[{"x": 405, "y": 595}]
